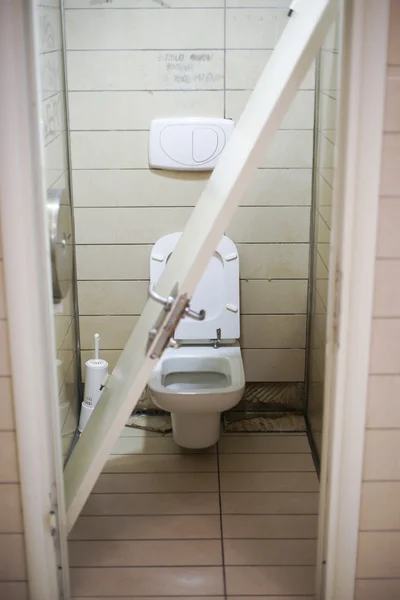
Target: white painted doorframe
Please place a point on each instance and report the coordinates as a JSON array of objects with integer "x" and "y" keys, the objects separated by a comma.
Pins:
[
  {"x": 30, "y": 309},
  {"x": 352, "y": 267},
  {"x": 29, "y": 304}
]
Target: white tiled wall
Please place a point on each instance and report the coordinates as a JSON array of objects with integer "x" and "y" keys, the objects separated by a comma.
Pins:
[
  {"x": 132, "y": 60},
  {"x": 378, "y": 566},
  {"x": 324, "y": 169},
  {"x": 13, "y": 574},
  {"x": 53, "y": 115}
]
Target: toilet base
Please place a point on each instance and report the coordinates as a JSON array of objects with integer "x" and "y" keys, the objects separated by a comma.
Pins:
[{"x": 196, "y": 430}]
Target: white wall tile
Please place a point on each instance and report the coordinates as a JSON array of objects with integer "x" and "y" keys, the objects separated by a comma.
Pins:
[
  {"x": 390, "y": 176},
  {"x": 329, "y": 70},
  {"x": 372, "y": 546},
  {"x": 50, "y": 73},
  {"x": 113, "y": 262},
  {"x": 129, "y": 187},
  {"x": 254, "y": 28},
  {"x": 380, "y": 508},
  {"x": 12, "y": 558},
  {"x": 49, "y": 29},
  {"x": 130, "y": 29},
  {"x": 387, "y": 288},
  {"x": 109, "y": 149},
  {"x": 394, "y": 42},
  {"x": 114, "y": 331},
  {"x": 273, "y": 331},
  {"x": 140, "y": 187},
  {"x": 273, "y": 261},
  {"x": 127, "y": 225},
  {"x": 388, "y": 243},
  {"x": 270, "y": 224},
  {"x": 6, "y": 405},
  {"x": 385, "y": 347},
  {"x": 392, "y": 116},
  {"x": 56, "y": 160},
  {"x": 158, "y": 70},
  {"x": 129, "y": 150},
  {"x": 244, "y": 67},
  {"x": 135, "y": 110},
  {"x": 257, "y": 261},
  {"x": 5, "y": 368},
  {"x": 381, "y": 457},
  {"x": 9, "y": 462},
  {"x": 299, "y": 116},
  {"x": 274, "y": 365},
  {"x": 273, "y": 297},
  {"x": 290, "y": 148},
  {"x": 383, "y": 408},
  {"x": 112, "y": 297},
  {"x": 10, "y": 509},
  {"x": 154, "y": 4}
]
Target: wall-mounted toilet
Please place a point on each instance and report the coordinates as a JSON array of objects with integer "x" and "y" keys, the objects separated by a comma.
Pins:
[{"x": 204, "y": 376}]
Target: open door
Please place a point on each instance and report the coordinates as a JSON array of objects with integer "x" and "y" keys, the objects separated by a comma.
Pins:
[{"x": 308, "y": 23}]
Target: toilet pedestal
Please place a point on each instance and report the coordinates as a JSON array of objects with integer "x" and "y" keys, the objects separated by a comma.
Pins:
[{"x": 196, "y": 430}]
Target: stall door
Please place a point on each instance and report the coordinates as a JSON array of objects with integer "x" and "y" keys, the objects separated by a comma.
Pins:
[{"x": 308, "y": 23}]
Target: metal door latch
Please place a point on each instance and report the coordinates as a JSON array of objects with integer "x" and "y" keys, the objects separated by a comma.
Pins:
[
  {"x": 175, "y": 308},
  {"x": 167, "y": 302}
]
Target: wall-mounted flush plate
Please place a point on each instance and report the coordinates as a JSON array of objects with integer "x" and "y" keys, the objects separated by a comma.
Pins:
[{"x": 192, "y": 144}]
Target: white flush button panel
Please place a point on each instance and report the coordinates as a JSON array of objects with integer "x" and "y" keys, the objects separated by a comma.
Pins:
[{"x": 192, "y": 144}]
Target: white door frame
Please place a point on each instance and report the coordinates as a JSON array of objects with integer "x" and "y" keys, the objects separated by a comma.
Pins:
[
  {"x": 352, "y": 268},
  {"x": 351, "y": 289},
  {"x": 29, "y": 301}
]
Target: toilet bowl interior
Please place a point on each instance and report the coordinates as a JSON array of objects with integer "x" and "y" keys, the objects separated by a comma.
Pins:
[{"x": 196, "y": 373}]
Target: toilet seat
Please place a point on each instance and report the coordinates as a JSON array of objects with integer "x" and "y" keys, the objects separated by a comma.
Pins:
[{"x": 217, "y": 292}]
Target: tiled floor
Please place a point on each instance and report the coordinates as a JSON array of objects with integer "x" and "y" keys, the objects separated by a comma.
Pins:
[{"x": 235, "y": 522}]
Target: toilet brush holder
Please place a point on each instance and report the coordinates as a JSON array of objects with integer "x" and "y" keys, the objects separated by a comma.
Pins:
[{"x": 96, "y": 371}]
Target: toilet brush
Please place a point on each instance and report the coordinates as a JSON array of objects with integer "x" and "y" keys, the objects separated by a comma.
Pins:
[{"x": 96, "y": 371}]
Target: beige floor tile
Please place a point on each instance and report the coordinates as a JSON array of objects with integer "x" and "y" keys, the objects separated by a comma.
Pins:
[
  {"x": 169, "y": 598},
  {"x": 161, "y": 463},
  {"x": 377, "y": 589},
  {"x": 147, "y": 528},
  {"x": 266, "y": 462},
  {"x": 156, "y": 483},
  {"x": 270, "y": 580},
  {"x": 270, "y": 552},
  {"x": 270, "y": 503},
  {"x": 152, "y": 504},
  {"x": 146, "y": 554},
  {"x": 269, "y": 482},
  {"x": 181, "y": 581},
  {"x": 264, "y": 443},
  {"x": 270, "y": 526},
  {"x": 153, "y": 445}
]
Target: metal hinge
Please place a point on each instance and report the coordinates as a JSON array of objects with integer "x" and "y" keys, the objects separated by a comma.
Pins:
[{"x": 175, "y": 307}]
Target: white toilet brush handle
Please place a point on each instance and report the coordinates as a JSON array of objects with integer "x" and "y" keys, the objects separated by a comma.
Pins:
[{"x": 96, "y": 346}]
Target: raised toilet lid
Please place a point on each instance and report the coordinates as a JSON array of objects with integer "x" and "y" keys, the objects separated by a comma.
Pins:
[{"x": 217, "y": 292}]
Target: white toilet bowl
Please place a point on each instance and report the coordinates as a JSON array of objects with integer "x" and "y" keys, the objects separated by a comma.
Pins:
[
  {"x": 196, "y": 384},
  {"x": 204, "y": 376}
]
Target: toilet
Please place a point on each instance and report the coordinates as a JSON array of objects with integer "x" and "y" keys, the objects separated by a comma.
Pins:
[{"x": 204, "y": 376}]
